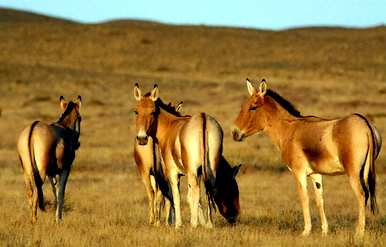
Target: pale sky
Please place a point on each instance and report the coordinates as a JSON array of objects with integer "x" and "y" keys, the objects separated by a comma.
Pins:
[{"x": 268, "y": 14}]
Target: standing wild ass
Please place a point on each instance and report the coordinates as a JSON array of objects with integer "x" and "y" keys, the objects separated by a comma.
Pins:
[
  {"x": 49, "y": 150},
  {"x": 149, "y": 163},
  {"x": 191, "y": 146},
  {"x": 312, "y": 146}
]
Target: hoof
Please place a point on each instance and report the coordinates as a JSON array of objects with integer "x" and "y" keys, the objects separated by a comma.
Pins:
[
  {"x": 209, "y": 225},
  {"x": 193, "y": 225},
  {"x": 359, "y": 236},
  {"x": 305, "y": 233},
  {"x": 157, "y": 223}
]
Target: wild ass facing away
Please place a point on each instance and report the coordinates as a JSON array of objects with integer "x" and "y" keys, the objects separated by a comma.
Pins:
[
  {"x": 49, "y": 150},
  {"x": 191, "y": 146},
  {"x": 150, "y": 165},
  {"x": 312, "y": 146}
]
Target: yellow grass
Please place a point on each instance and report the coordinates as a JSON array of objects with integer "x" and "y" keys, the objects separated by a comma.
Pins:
[{"x": 324, "y": 72}]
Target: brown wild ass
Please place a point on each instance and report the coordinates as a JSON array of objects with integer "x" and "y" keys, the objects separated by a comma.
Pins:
[
  {"x": 312, "y": 146},
  {"x": 149, "y": 163},
  {"x": 49, "y": 150},
  {"x": 191, "y": 146}
]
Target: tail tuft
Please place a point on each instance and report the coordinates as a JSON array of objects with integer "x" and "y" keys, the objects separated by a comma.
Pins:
[{"x": 371, "y": 184}]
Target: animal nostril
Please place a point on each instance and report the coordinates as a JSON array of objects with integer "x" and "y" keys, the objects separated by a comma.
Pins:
[
  {"x": 235, "y": 134},
  {"x": 142, "y": 140}
]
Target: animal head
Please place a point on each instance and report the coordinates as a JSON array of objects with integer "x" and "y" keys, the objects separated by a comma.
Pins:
[
  {"x": 71, "y": 117},
  {"x": 227, "y": 192},
  {"x": 251, "y": 118},
  {"x": 146, "y": 113}
]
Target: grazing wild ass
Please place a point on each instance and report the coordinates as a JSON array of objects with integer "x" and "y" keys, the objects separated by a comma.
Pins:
[
  {"x": 49, "y": 150},
  {"x": 313, "y": 146},
  {"x": 191, "y": 146},
  {"x": 149, "y": 163}
]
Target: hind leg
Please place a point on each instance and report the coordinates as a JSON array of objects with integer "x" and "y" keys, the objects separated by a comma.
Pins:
[
  {"x": 34, "y": 204},
  {"x": 318, "y": 189},
  {"x": 201, "y": 218},
  {"x": 193, "y": 198},
  {"x": 169, "y": 212},
  {"x": 29, "y": 188},
  {"x": 360, "y": 195},
  {"x": 54, "y": 183},
  {"x": 32, "y": 195},
  {"x": 175, "y": 185}
]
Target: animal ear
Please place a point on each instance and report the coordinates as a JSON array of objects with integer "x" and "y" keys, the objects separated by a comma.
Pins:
[
  {"x": 263, "y": 87},
  {"x": 154, "y": 93},
  {"x": 79, "y": 101},
  {"x": 236, "y": 170},
  {"x": 63, "y": 103},
  {"x": 137, "y": 92},
  {"x": 179, "y": 106},
  {"x": 251, "y": 89}
]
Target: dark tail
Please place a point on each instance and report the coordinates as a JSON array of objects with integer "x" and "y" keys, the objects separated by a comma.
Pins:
[
  {"x": 209, "y": 178},
  {"x": 372, "y": 153},
  {"x": 36, "y": 177},
  {"x": 372, "y": 178}
]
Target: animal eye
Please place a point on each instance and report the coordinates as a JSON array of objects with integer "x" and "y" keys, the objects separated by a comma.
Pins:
[
  {"x": 253, "y": 108},
  {"x": 136, "y": 112}
]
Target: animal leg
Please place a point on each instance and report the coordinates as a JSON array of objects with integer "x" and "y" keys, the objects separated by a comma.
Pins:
[
  {"x": 169, "y": 212},
  {"x": 29, "y": 188},
  {"x": 317, "y": 182},
  {"x": 150, "y": 195},
  {"x": 158, "y": 202},
  {"x": 358, "y": 191},
  {"x": 209, "y": 223},
  {"x": 54, "y": 183},
  {"x": 34, "y": 205},
  {"x": 32, "y": 193},
  {"x": 301, "y": 182},
  {"x": 201, "y": 218},
  {"x": 193, "y": 198},
  {"x": 176, "y": 200},
  {"x": 62, "y": 189}
]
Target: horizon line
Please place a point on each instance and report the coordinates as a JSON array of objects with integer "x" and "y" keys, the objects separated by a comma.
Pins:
[{"x": 214, "y": 25}]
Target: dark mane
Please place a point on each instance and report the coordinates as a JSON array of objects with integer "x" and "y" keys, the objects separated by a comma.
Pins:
[
  {"x": 283, "y": 102},
  {"x": 69, "y": 108},
  {"x": 168, "y": 107}
]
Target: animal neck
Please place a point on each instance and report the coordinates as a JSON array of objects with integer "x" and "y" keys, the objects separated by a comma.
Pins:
[
  {"x": 165, "y": 122},
  {"x": 223, "y": 169},
  {"x": 279, "y": 122},
  {"x": 72, "y": 127},
  {"x": 66, "y": 122}
]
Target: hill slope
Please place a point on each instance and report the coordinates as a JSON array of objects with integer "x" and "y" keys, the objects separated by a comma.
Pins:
[{"x": 215, "y": 53}]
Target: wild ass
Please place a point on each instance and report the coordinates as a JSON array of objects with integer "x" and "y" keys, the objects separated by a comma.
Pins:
[
  {"x": 191, "y": 146},
  {"x": 49, "y": 150},
  {"x": 313, "y": 146},
  {"x": 149, "y": 163}
]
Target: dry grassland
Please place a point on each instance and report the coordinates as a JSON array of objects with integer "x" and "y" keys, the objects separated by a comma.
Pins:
[{"x": 327, "y": 72}]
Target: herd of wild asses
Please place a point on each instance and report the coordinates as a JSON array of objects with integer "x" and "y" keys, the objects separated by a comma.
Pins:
[{"x": 169, "y": 145}]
